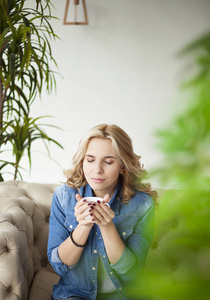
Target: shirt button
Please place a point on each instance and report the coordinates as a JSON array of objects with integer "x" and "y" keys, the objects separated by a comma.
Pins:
[
  {"x": 124, "y": 233},
  {"x": 93, "y": 268},
  {"x": 111, "y": 273},
  {"x": 104, "y": 256},
  {"x": 120, "y": 288},
  {"x": 94, "y": 281},
  {"x": 99, "y": 237},
  {"x": 95, "y": 251},
  {"x": 71, "y": 226}
]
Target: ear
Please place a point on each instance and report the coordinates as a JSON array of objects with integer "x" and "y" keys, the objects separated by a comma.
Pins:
[{"x": 122, "y": 170}]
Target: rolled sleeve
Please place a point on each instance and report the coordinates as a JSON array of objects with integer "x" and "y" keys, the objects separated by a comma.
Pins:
[
  {"x": 125, "y": 262},
  {"x": 57, "y": 263},
  {"x": 54, "y": 256},
  {"x": 59, "y": 267}
]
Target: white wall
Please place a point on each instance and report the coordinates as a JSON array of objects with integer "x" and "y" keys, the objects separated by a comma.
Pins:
[{"x": 122, "y": 69}]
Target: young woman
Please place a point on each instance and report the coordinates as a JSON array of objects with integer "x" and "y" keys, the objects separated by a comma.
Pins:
[{"x": 99, "y": 256}]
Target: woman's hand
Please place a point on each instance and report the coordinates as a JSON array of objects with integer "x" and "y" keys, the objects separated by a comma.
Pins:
[
  {"x": 70, "y": 253},
  {"x": 102, "y": 214},
  {"x": 83, "y": 209},
  {"x": 103, "y": 218}
]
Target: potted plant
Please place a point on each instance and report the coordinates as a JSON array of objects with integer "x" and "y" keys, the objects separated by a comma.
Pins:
[{"x": 25, "y": 69}]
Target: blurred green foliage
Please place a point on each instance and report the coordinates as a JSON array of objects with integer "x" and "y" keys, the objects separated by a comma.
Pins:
[{"x": 178, "y": 264}]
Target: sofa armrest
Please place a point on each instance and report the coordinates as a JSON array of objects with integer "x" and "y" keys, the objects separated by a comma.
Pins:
[{"x": 16, "y": 248}]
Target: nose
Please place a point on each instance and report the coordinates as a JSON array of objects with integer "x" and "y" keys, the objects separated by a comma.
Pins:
[{"x": 98, "y": 168}]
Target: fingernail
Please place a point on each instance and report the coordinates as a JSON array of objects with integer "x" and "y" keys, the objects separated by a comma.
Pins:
[
  {"x": 91, "y": 214},
  {"x": 89, "y": 203},
  {"x": 94, "y": 204},
  {"x": 98, "y": 201},
  {"x": 90, "y": 210},
  {"x": 93, "y": 219},
  {"x": 92, "y": 207},
  {"x": 84, "y": 200}
]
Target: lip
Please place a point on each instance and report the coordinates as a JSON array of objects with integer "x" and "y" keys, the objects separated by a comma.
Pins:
[{"x": 97, "y": 180}]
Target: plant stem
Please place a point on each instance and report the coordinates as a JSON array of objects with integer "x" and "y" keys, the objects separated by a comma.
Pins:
[
  {"x": 16, "y": 169},
  {"x": 1, "y": 103},
  {"x": 2, "y": 99}
]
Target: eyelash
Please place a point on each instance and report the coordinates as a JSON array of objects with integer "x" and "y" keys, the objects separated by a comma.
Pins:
[{"x": 108, "y": 163}]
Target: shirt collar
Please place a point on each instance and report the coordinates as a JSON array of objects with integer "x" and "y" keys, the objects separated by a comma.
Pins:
[
  {"x": 88, "y": 191},
  {"x": 115, "y": 200}
]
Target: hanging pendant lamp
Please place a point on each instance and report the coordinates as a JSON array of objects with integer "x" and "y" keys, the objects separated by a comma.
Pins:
[{"x": 80, "y": 11}]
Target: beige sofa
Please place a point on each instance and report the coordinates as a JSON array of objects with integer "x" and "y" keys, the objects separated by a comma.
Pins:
[
  {"x": 179, "y": 252},
  {"x": 25, "y": 272}
]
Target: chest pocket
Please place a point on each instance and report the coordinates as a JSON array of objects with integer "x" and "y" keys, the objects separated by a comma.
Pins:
[{"x": 125, "y": 232}]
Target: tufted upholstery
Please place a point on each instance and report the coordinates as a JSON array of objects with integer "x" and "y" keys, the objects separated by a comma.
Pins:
[
  {"x": 25, "y": 272},
  {"x": 180, "y": 250}
]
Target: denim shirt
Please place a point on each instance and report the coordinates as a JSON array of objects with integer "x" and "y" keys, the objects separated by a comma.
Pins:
[{"x": 134, "y": 223}]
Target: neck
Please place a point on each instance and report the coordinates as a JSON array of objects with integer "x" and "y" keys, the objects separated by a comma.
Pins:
[{"x": 102, "y": 194}]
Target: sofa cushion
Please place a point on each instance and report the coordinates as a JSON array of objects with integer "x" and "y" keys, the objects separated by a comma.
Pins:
[{"x": 42, "y": 285}]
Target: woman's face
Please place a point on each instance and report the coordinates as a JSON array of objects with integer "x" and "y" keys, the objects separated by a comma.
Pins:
[{"x": 101, "y": 167}]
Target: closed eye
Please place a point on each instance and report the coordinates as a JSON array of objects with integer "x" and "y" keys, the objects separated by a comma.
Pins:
[
  {"x": 109, "y": 162},
  {"x": 90, "y": 160}
]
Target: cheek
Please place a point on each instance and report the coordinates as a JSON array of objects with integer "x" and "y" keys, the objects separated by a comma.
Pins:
[
  {"x": 115, "y": 174},
  {"x": 86, "y": 168}
]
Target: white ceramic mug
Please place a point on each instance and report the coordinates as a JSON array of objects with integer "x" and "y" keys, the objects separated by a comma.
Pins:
[{"x": 92, "y": 200}]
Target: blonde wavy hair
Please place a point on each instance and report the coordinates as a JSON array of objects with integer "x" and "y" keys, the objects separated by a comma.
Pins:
[{"x": 134, "y": 172}]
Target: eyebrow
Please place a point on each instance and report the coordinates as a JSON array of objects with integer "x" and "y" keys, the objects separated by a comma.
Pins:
[{"x": 109, "y": 156}]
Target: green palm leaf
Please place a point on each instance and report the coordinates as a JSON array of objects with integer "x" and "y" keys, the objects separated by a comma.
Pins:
[{"x": 25, "y": 69}]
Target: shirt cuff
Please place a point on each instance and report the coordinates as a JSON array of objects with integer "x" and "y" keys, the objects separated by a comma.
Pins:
[
  {"x": 57, "y": 263},
  {"x": 55, "y": 257},
  {"x": 125, "y": 262}
]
